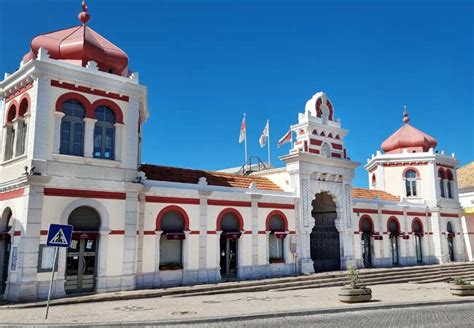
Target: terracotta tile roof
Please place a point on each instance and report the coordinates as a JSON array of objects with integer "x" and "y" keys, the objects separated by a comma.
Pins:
[
  {"x": 466, "y": 176},
  {"x": 175, "y": 174},
  {"x": 373, "y": 194}
]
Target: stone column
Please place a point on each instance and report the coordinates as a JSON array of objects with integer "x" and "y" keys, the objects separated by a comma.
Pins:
[
  {"x": 438, "y": 238},
  {"x": 89, "y": 124},
  {"x": 140, "y": 241},
  {"x": 203, "y": 207},
  {"x": 218, "y": 253},
  {"x": 18, "y": 126},
  {"x": 130, "y": 240},
  {"x": 156, "y": 277},
  {"x": 257, "y": 272},
  {"x": 58, "y": 116},
  {"x": 118, "y": 141}
]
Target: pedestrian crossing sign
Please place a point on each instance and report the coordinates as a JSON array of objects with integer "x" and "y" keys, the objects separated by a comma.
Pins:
[{"x": 59, "y": 235}]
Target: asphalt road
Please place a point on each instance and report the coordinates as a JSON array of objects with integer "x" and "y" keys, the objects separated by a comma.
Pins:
[{"x": 461, "y": 315}]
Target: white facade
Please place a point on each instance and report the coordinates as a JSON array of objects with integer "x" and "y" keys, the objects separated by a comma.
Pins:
[{"x": 137, "y": 230}]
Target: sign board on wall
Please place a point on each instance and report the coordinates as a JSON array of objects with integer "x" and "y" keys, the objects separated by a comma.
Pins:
[{"x": 293, "y": 244}]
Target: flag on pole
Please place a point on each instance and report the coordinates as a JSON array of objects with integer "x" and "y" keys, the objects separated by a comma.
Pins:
[
  {"x": 264, "y": 137},
  {"x": 286, "y": 138},
  {"x": 243, "y": 130}
]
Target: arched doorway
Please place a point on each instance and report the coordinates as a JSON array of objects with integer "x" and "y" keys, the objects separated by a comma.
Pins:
[
  {"x": 173, "y": 225},
  {"x": 81, "y": 259},
  {"x": 449, "y": 227},
  {"x": 324, "y": 239},
  {"x": 394, "y": 230},
  {"x": 5, "y": 245},
  {"x": 230, "y": 225},
  {"x": 417, "y": 229},
  {"x": 366, "y": 226}
]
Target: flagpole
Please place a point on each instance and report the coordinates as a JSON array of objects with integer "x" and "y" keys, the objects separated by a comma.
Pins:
[
  {"x": 245, "y": 142},
  {"x": 268, "y": 143}
]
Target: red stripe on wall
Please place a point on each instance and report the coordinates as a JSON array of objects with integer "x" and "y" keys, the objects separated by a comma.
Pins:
[
  {"x": 262, "y": 232},
  {"x": 43, "y": 232},
  {"x": 313, "y": 151},
  {"x": 247, "y": 232},
  {"x": 336, "y": 146},
  {"x": 12, "y": 194},
  {"x": 172, "y": 200},
  {"x": 149, "y": 232},
  {"x": 69, "y": 86},
  {"x": 211, "y": 232},
  {"x": 117, "y": 232},
  {"x": 17, "y": 233},
  {"x": 418, "y": 214},
  {"x": 84, "y": 193},
  {"x": 449, "y": 215},
  {"x": 194, "y": 232},
  {"x": 364, "y": 210},
  {"x": 18, "y": 92},
  {"x": 218, "y": 202},
  {"x": 292, "y": 232},
  {"x": 392, "y": 212},
  {"x": 276, "y": 205},
  {"x": 315, "y": 142}
]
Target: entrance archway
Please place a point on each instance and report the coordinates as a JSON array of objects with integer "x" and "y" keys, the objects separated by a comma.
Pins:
[
  {"x": 230, "y": 223},
  {"x": 366, "y": 226},
  {"x": 417, "y": 229},
  {"x": 324, "y": 239},
  {"x": 449, "y": 227},
  {"x": 5, "y": 245},
  {"x": 81, "y": 259},
  {"x": 394, "y": 230}
]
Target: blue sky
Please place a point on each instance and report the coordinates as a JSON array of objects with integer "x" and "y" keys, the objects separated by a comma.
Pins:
[{"x": 207, "y": 62}]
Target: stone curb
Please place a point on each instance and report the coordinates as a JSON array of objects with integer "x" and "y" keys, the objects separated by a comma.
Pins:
[{"x": 256, "y": 316}]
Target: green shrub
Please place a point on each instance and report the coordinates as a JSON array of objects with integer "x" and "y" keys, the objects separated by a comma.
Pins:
[
  {"x": 353, "y": 276},
  {"x": 460, "y": 281}
]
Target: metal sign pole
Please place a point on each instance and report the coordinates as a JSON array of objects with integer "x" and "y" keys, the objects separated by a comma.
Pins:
[{"x": 51, "y": 282}]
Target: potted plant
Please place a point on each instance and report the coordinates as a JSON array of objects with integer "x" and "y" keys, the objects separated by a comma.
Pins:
[
  {"x": 461, "y": 287},
  {"x": 355, "y": 291}
]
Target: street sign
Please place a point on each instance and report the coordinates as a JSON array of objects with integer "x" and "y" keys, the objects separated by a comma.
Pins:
[{"x": 59, "y": 235}]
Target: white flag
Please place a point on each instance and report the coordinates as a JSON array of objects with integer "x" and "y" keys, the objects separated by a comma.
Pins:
[
  {"x": 264, "y": 137},
  {"x": 243, "y": 130}
]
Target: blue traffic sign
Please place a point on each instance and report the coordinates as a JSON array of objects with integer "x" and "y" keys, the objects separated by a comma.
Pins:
[{"x": 59, "y": 235}]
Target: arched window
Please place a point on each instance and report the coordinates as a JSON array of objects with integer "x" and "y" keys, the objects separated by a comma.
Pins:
[
  {"x": 441, "y": 176},
  {"x": 72, "y": 128},
  {"x": 10, "y": 133},
  {"x": 410, "y": 183},
  {"x": 276, "y": 226},
  {"x": 22, "y": 128},
  {"x": 104, "y": 133},
  {"x": 374, "y": 181},
  {"x": 172, "y": 223},
  {"x": 326, "y": 149},
  {"x": 449, "y": 183}
]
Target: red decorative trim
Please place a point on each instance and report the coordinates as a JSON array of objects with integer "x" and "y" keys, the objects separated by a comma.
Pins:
[
  {"x": 292, "y": 232},
  {"x": 364, "y": 210},
  {"x": 23, "y": 110},
  {"x": 211, "y": 232},
  {"x": 356, "y": 232},
  {"x": 378, "y": 237},
  {"x": 117, "y": 232},
  {"x": 281, "y": 215},
  {"x": 392, "y": 212},
  {"x": 84, "y": 193},
  {"x": 277, "y": 205},
  {"x": 194, "y": 232},
  {"x": 405, "y": 164},
  {"x": 18, "y": 92},
  {"x": 247, "y": 232},
  {"x": 445, "y": 166},
  {"x": 315, "y": 142},
  {"x": 175, "y": 200},
  {"x": 96, "y": 92},
  {"x": 227, "y": 211},
  {"x": 110, "y": 104},
  {"x": 336, "y": 146},
  {"x": 12, "y": 112},
  {"x": 313, "y": 151},
  {"x": 149, "y": 232},
  {"x": 219, "y": 202},
  {"x": 418, "y": 214},
  {"x": 410, "y": 168},
  {"x": 262, "y": 232},
  {"x": 17, "y": 233},
  {"x": 336, "y": 155},
  {"x": 449, "y": 215},
  {"x": 172, "y": 208},
  {"x": 12, "y": 194},
  {"x": 43, "y": 232}
]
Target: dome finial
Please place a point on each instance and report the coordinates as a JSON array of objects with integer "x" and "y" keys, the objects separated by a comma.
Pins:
[
  {"x": 405, "y": 115},
  {"x": 84, "y": 15}
]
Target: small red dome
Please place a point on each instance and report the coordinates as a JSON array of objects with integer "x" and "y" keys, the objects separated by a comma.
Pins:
[{"x": 409, "y": 138}]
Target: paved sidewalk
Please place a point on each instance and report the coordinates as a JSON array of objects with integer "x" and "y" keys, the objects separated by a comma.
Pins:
[{"x": 172, "y": 309}]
